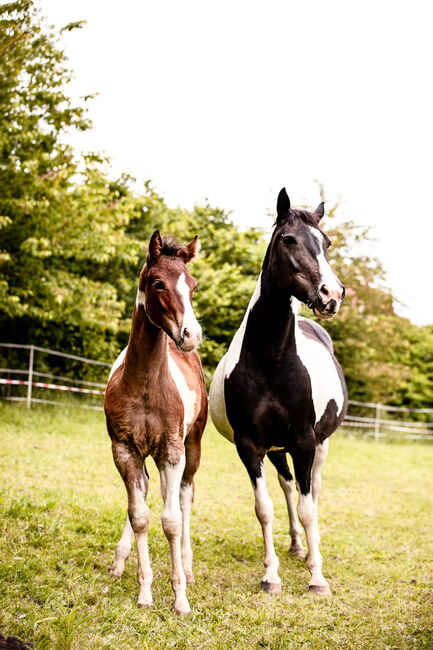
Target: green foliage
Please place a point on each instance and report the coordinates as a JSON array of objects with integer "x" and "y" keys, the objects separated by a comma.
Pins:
[{"x": 72, "y": 242}]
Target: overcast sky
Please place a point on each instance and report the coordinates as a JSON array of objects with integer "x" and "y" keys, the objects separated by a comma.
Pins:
[{"x": 229, "y": 100}]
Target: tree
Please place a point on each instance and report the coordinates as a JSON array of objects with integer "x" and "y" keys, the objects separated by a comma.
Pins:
[{"x": 60, "y": 218}]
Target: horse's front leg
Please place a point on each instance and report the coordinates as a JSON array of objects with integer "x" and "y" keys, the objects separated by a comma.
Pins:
[
  {"x": 307, "y": 463},
  {"x": 171, "y": 519},
  {"x": 285, "y": 478},
  {"x": 264, "y": 508},
  {"x": 135, "y": 477}
]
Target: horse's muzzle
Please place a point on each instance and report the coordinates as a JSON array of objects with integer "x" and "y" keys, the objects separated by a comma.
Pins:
[{"x": 188, "y": 339}]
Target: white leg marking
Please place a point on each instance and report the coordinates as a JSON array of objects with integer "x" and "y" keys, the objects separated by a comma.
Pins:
[
  {"x": 316, "y": 475},
  {"x": 307, "y": 511},
  {"x": 186, "y": 499},
  {"x": 123, "y": 550},
  {"x": 139, "y": 515},
  {"x": 171, "y": 519},
  {"x": 265, "y": 514},
  {"x": 288, "y": 488}
]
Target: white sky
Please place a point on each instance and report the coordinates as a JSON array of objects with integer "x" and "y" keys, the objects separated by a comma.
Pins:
[{"x": 232, "y": 99}]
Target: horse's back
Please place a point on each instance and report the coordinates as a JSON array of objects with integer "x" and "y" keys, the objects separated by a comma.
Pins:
[{"x": 315, "y": 331}]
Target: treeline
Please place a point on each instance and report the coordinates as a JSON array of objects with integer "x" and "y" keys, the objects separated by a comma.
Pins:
[{"x": 73, "y": 242}]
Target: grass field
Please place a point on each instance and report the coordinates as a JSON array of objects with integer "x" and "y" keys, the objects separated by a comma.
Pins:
[{"x": 63, "y": 508}]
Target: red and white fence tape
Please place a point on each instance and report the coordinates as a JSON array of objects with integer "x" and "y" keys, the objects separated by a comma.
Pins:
[{"x": 39, "y": 384}]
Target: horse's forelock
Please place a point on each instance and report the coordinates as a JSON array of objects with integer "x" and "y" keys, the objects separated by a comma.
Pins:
[{"x": 305, "y": 216}]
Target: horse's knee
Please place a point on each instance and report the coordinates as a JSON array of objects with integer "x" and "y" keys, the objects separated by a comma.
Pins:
[
  {"x": 171, "y": 524},
  {"x": 139, "y": 521},
  {"x": 306, "y": 510},
  {"x": 263, "y": 503}
]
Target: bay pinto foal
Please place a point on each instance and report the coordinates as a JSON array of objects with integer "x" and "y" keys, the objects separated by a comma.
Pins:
[
  {"x": 279, "y": 387},
  {"x": 156, "y": 404}
]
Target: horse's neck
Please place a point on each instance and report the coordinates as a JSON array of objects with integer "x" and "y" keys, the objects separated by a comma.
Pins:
[
  {"x": 272, "y": 321},
  {"x": 147, "y": 349}
]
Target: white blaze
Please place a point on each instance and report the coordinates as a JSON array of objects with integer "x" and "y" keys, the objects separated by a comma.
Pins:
[
  {"x": 327, "y": 275},
  {"x": 189, "y": 320}
]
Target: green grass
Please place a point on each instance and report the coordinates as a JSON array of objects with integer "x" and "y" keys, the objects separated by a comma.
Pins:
[{"x": 63, "y": 508}]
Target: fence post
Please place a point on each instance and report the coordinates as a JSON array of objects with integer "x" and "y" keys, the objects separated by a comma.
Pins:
[
  {"x": 30, "y": 376},
  {"x": 377, "y": 423}
]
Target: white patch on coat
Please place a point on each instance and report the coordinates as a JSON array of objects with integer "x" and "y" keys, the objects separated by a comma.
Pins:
[
  {"x": 188, "y": 396},
  {"x": 189, "y": 320},
  {"x": 140, "y": 299},
  {"x": 327, "y": 275},
  {"x": 325, "y": 380},
  {"x": 217, "y": 404},
  {"x": 295, "y": 304},
  {"x": 265, "y": 514},
  {"x": 117, "y": 363}
]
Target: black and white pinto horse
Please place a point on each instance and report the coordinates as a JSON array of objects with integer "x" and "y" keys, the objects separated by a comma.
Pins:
[{"x": 279, "y": 387}]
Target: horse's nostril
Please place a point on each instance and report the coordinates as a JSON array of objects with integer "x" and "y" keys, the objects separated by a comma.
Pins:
[
  {"x": 324, "y": 291},
  {"x": 186, "y": 334}
]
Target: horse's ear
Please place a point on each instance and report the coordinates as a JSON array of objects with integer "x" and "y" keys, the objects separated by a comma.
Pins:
[
  {"x": 190, "y": 252},
  {"x": 155, "y": 246},
  {"x": 319, "y": 211},
  {"x": 283, "y": 204}
]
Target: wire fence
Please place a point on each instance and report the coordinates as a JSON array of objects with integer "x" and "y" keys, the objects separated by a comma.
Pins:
[{"x": 364, "y": 418}]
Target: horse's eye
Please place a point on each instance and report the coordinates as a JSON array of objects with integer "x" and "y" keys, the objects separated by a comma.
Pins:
[
  {"x": 159, "y": 285},
  {"x": 289, "y": 239}
]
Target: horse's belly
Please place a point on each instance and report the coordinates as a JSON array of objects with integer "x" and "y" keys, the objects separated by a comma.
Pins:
[{"x": 217, "y": 403}]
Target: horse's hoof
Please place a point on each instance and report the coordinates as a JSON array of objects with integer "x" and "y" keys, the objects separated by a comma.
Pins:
[
  {"x": 298, "y": 551},
  {"x": 183, "y": 610},
  {"x": 320, "y": 590},
  {"x": 189, "y": 579},
  {"x": 271, "y": 587},
  {"x": 144, "y": 605},
  {"x": 116, "y": 571}
]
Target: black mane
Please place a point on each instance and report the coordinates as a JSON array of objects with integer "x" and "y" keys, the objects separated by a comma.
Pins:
[
  {"x": 298, "y": 213},
  {"x": 171, "y": 247}
]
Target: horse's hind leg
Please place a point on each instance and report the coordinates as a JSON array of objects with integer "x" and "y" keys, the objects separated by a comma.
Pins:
[
  {"x": 285, "y": 478},
  {"x": 123, "y": 550},
  {"x": 133, "y": 472},
  {"x": 192, "y": 454}
]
